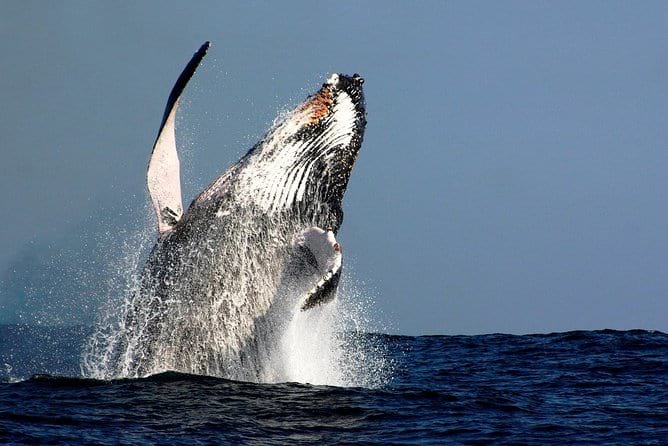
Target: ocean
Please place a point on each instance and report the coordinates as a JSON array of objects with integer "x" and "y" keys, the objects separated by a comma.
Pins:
[{"x": 581, "y": 387}]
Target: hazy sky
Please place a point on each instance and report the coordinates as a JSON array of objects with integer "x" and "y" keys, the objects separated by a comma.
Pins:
[{"x": 513, "y": 176}]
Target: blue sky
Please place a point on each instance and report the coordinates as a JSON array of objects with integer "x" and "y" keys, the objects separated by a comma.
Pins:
[{"x": 512, "y": 179}]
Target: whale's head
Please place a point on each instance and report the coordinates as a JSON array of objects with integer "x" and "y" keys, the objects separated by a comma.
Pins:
[{"x": 305, "y": 160}]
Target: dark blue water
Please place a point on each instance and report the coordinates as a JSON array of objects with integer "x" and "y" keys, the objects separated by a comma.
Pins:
[{"x": 585, "y": 387}]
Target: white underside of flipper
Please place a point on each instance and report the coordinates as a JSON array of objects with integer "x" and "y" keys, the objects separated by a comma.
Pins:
[{"x": 163, "y": 175}]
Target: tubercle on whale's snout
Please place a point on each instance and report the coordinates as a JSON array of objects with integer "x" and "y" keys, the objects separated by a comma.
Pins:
[
  {"x": 352, "y": 85},
  {"x": 338, "y": 80}
]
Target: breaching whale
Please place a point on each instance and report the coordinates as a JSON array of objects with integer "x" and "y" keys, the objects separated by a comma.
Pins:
[{"x": 255, "y": 244}]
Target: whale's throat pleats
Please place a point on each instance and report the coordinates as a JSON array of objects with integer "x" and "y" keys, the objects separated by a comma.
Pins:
[
  {"x": 305, "y": 159},
  {"x": 296, "y": 166}
]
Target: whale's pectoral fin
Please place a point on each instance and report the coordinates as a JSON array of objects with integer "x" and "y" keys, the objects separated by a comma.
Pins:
[
  {"x": 163, "y": 177},
  {"x": 320, "y": 255}
]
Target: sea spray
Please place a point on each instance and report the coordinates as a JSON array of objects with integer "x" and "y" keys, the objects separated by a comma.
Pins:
[
  {"x": 331, "y": 345},
  {"x": 122, "y": 267},
  {"x": 327, "y": 345}
]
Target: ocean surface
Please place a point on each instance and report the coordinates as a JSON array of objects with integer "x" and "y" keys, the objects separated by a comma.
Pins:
[{"x": 583, "y": 387}]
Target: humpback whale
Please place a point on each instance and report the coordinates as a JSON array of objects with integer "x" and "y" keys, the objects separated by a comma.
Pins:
[{"x": 258, "y": 242}]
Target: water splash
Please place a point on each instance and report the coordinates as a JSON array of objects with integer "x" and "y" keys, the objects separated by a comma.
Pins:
[
  {"x": 326, "y": 345},
  {"x": 123, "y": 271},
  {"x": 330, "y": 345}
]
